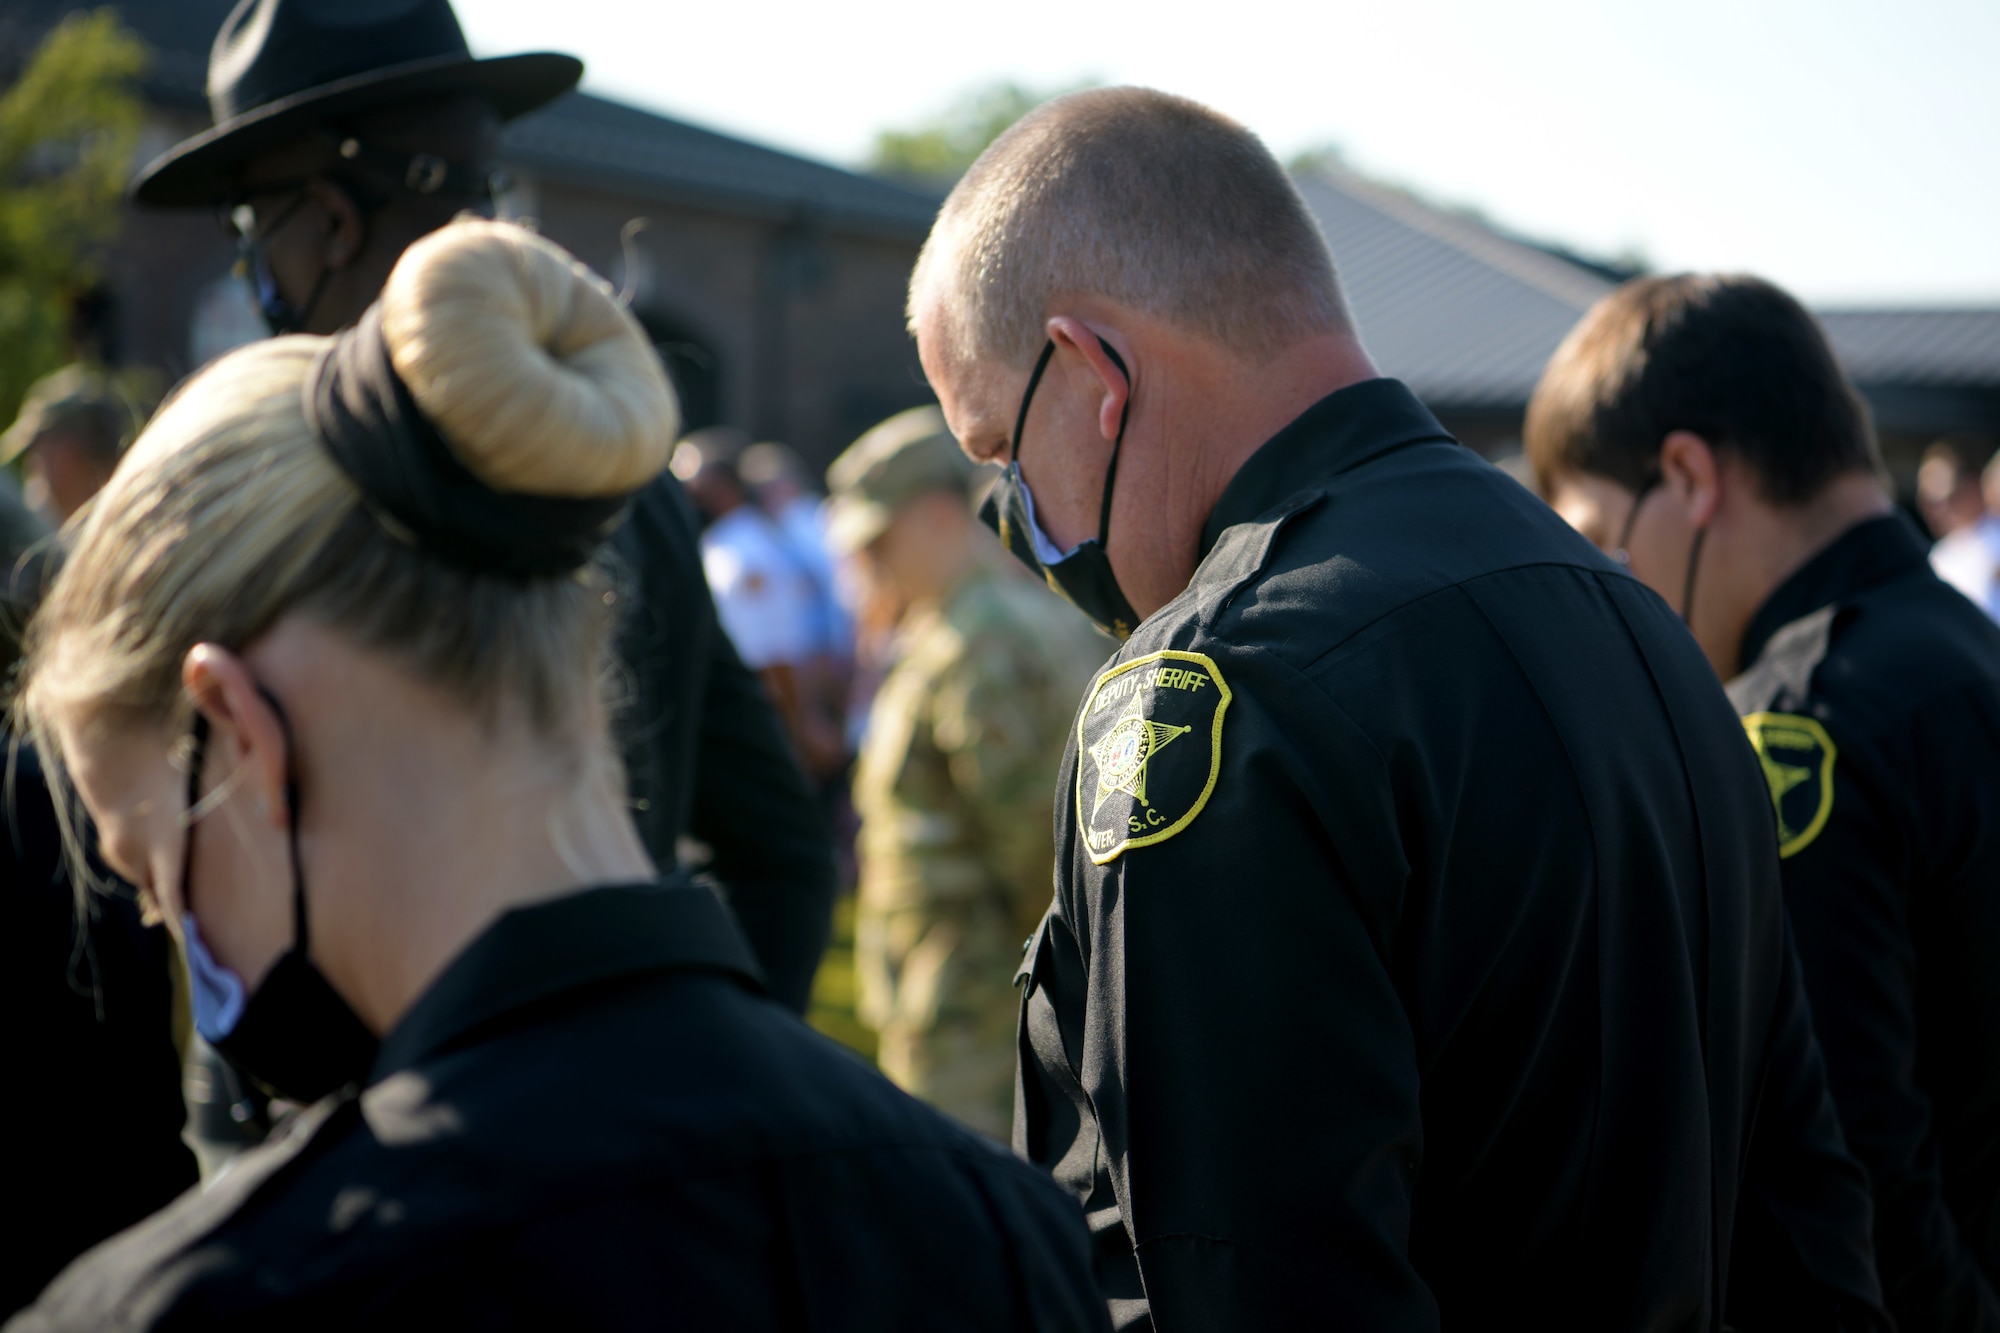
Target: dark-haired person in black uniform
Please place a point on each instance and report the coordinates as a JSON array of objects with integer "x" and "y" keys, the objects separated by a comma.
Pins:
[
  {"x": 1700, "y": 428},
  {"x": 342, "y": 134},
  {"x": 343, "y": 729}
]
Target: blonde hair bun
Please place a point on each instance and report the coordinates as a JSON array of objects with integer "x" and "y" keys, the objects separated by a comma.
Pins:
[{"x": 532, "y": 372}]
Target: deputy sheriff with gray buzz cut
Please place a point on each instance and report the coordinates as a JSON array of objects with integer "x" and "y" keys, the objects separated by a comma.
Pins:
[{"x": 1417, "y": 955}]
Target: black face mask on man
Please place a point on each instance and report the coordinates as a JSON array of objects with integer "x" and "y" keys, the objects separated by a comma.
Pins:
[
  {"x": 294, "y": 1034},
  {"x": 1083, "y": 574},
  {"x": 253, "y": 265}
]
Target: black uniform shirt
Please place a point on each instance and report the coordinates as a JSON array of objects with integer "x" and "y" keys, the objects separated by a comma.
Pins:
[
  {"x": 706, "y": 755},
  {"x": 1417, "y": 951},
  {"x": 92, "y": 1116},
  {"x": 1874, "y": 700},
  {"x": 592, "y": 1120}
]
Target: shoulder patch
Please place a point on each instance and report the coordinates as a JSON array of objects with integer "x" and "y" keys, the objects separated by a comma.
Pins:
[
  {"x": 1149, "y": 750},
  {"x": 1797, "y": 757}
]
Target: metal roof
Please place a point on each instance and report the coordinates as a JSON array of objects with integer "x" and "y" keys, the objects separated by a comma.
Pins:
[
  {"x": 1928, "y": 348},
  {"x": 1468, "y": 316},
  {"x": 1463, "y": 315},
  {"x": 580, "y": 136}
]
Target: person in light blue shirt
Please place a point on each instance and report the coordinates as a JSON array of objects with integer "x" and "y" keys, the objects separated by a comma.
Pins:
[
  {"x": 1968, "y": 556},
  {"x": 778, "y": 478}
]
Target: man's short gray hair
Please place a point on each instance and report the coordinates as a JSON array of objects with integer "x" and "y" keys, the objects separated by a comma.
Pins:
[{"x": 1150, "y": 200}]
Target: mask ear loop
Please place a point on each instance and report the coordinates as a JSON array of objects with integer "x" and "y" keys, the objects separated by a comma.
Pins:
[
  {"x": 297, "y": 317},
  {"x": 1028, "y": 397},
  {"x": 1111, "y": 472},
  {"x": 197, "y": 752},
  {"x": 1124, "y": 415},
  {"x": 301, "y": 937},
  {"x": 253, "y": 262},
  {"x": 1646, "y": 487},
  {"x": 1687, "y": 585},
  {"x": 1624, "y": 556},
  {"x": 1006, "y": 523}
]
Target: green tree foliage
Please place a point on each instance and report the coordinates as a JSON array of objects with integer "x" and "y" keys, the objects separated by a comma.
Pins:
[
  {"x": 68, "y": 127},
  {"x": 1321, "y": 159},
  {"x": 937, "y": 151}
]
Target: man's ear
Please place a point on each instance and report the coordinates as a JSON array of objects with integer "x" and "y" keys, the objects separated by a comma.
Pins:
[
  {"x": 247, "y": 744},
  {"x": 346, "y": 228},
  {"x": 1691, "y": 472},
  {"x": 1073, "y": 335}
]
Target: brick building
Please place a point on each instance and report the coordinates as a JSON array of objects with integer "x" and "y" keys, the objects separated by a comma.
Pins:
[{"x": 773, "y": 284}]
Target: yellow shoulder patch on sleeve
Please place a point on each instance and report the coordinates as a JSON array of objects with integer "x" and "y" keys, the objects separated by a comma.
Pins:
[
  {"x": 1149, "y": 750},
  {"x": 1797, "y": 757}
]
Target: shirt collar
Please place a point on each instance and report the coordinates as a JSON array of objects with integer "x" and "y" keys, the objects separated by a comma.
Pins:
[
  {"x": 1870, "y": 553},
  {"x": 533, "y": 954},
  {"x": 1342, "y": 430}
]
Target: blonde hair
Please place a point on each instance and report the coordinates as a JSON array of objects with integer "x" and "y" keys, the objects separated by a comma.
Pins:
[
  {"x": 1151, "y": 200},
  {"x": 228, "y": 514}
]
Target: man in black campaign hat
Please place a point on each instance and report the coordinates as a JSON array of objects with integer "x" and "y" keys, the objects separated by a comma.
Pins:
[{"x": 344, "y": 132}]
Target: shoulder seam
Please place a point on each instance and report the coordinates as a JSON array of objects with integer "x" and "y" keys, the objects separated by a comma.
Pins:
[{"x": 1391, "y": 613}]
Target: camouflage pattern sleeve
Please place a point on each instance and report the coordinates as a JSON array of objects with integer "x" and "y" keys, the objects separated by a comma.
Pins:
[
  {"x": 956, "y": 792},
  {"x": 1000, "y": 719}
]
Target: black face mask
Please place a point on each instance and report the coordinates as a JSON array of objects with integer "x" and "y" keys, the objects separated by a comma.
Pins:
[
  {"x": 294, "y": 1034},
  {"x": 254, "y": 266},
  {"x": 280, "y": 315},
  {"x": 1083, "y": 575}
]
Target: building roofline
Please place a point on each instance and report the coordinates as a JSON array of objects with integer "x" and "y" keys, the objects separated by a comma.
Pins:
[
  {"x": 585, "y": 139},
  {"x": 1554, "y": 276}
]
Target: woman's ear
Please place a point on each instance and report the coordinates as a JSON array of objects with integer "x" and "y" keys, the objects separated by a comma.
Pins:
[
  {"x": 248, "y": 747},
  {"x": 1691, "y": 472}
]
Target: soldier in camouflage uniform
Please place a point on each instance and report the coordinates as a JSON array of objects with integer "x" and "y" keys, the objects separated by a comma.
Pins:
[{"x": 957, "y": 770}]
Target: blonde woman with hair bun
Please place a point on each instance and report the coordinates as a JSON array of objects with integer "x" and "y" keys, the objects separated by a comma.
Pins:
[{"x": 323, "y": 669}]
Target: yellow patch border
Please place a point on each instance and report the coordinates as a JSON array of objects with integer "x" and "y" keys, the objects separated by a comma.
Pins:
[
  {"x": 1222, "y": 699},
  {"x": 1752, "y": 725}
]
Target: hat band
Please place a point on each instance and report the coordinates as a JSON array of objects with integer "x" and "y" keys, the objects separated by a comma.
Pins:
[{"x": 365, "y": 417}]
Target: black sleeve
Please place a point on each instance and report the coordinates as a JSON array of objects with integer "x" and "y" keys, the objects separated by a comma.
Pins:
[
  {"x": 1795, "y": 1259},
  {"x": 93, "y": 1116},
  {"x": 705, "y": 753},
  {"x": 771, "y": 850},
  {"x": 1855, "y": 894},
  {"x": 865, "y": 1240},
  {"x": 1259, "y": 956}
]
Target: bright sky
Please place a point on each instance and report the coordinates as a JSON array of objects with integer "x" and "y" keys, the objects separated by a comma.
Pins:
[{"x": 1848, "y": 149}]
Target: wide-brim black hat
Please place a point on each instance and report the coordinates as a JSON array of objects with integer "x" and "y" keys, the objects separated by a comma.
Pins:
[{"x": 280, "y": 67}]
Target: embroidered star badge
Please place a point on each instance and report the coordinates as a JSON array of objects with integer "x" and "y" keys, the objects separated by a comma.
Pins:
[
  {"x": 1127, "y": 748},
  {"x": 1135, "y": 711}
]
